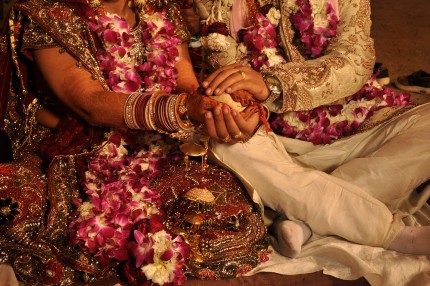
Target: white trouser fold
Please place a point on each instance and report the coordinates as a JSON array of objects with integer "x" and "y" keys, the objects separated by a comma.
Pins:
[{"x": 372, "y": 168}]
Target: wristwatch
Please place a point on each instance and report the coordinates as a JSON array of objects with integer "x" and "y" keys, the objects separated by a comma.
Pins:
[{"x": 274, "y": 86}]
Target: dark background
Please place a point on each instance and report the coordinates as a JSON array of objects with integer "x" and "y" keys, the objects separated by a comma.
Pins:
[{"x": 401, "y": 30}]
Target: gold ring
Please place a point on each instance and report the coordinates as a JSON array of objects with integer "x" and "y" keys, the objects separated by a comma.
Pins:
[
  {"x": 238, "y": 135},
  {"x": 226, "y": 139},
  {"x": 246, "y": 139},
  {"x": 243, "y": 74}
]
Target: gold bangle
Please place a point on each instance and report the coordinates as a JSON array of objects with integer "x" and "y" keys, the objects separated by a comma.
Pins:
[
  {"x": 184, "y": 124},
  {"x": 129, "y": 110}
]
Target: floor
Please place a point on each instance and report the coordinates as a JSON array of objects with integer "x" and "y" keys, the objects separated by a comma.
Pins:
[{"x": 401, "y": 30}]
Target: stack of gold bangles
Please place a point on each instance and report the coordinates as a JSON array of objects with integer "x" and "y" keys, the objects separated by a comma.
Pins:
[{"x": 159, "y": 111}]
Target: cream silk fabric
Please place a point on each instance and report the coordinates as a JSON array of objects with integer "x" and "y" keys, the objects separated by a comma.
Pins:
[{"x": 385, "y": 164}]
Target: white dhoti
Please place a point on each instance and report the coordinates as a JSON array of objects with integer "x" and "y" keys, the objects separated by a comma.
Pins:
[{"x": 368, "y": 170}]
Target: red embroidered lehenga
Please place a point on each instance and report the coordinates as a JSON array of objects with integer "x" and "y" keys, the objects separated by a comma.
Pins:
[{"x": 38, "y": 187}]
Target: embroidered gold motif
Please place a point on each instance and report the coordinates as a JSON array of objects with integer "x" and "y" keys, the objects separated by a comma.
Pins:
[
  {"x": 286, "y": 33},
  {"x": 55, "y": 20}
]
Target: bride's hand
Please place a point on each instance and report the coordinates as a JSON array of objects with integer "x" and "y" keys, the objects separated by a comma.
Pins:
[
  {"x": 198, "y": 105},
  {"x": 243, "y": 96},
  {"x": 229, "y": 126},
  {"x": 235, "y": 77}
]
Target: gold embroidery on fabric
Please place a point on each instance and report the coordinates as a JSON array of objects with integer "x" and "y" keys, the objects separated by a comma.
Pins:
[
  {"x": 58, "y": 20},
  {"x": 286, "y": 33},
  {"x": 35, "y": 38},
  {"x": 382, "y": 116},
  {"x": 363, "y": 14},
  {"x": 175, "y": 15},
  {"x": 62, "y": 189},
  {"x": 353, "y": 44}
]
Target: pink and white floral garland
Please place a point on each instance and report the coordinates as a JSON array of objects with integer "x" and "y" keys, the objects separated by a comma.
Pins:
[
  {"x": 326, "y": 123},
  {"x": 259, "y": 42},
  {"x": 121, "y": 69},
  {"x": 121, "y": 218},
  {"x": 315, "y": 25}
]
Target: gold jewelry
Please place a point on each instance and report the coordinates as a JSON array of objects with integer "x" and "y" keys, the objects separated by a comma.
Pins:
[
  {"x": 226, "y": 139},
  {"x": 129, "y": 110},
  {"x": 246, "y": 139},
  {"x": 97, "y": 7},
  {"x": 243, "y": 74},
  {"x": 238, "y": 135},
  {"x": 95, "y": 4}
]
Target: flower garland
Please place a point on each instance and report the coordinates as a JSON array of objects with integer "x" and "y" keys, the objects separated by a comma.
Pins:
[
  {"x": 326, "y": 123},
  {"x": 315, "y": 25},
  {"x": 121, "y": 219},
  {"x": 122, "y": 71},
  {"x": 259, "y": 43}
]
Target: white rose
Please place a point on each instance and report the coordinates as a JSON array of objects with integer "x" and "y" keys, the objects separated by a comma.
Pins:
[
  {"x": 86, "y": 210},
  {"x": 218, "y": 42},
  {"x": 274, "y": 15},
  {"x": 161, "y": 272},
  {"x": 273, "y": 58},
  {"x": 319, "y": 13}
]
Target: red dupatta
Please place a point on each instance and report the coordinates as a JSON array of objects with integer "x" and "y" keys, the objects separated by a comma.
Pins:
[{"x": 75, "y": 134}]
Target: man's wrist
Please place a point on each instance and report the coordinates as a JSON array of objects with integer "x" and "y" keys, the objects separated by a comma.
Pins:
[{"x": 274, "y": 86}]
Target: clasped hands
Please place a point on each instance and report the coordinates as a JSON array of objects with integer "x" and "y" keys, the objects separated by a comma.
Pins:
[{"x": 223, "y": 123}]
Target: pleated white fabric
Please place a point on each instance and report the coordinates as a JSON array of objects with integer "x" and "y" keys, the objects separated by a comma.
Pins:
[{"x": 365, "y": 202}]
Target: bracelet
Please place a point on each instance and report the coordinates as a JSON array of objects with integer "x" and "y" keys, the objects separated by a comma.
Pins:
[
  {"x": 159, "y": 111},
  {"x": 129, "y": 108},
  {"x": 182, "y": 110}
]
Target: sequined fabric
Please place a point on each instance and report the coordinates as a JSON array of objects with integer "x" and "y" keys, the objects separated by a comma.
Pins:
[
  {"x": 37, "y": 189},
  {"x": 220, "y": 222}
]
